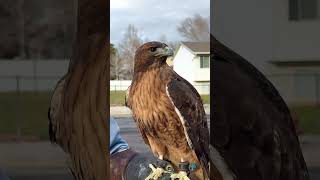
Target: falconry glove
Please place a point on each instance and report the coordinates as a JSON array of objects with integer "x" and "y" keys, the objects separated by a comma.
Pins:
[{"x": 130, "y": 165}]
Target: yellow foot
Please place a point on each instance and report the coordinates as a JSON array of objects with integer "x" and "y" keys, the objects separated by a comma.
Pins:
[
  {"x": 155, "y": 174},
  {"x": 182, "y": 175}
]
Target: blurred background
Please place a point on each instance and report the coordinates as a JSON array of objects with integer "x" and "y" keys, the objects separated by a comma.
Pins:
[
  {"x": 35, "y": 48},
  {"x": 281, "y": 38}
]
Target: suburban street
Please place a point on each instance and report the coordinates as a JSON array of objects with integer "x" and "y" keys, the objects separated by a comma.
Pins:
[{"x": 44, "y": 161}]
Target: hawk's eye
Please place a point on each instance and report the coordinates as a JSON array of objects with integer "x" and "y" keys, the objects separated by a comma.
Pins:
[{"x": 153, "y": 49}]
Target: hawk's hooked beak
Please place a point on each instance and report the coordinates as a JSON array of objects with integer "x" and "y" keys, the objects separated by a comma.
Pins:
[{"x": 164, "y": 52}]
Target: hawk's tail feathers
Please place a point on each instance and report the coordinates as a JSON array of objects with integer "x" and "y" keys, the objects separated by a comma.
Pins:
[{"x": 218, "y": 166}]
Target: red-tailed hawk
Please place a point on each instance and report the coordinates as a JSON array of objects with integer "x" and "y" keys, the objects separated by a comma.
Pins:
[{"x": 168, "y": 110}]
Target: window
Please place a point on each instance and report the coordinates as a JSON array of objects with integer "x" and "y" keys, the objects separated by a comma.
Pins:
[
  {"x": 303, "y": 9},
  {"x": 204, "y": 62}
]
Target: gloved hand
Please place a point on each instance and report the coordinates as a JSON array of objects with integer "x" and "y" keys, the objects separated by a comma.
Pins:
[{"x": 129, "y": 165}]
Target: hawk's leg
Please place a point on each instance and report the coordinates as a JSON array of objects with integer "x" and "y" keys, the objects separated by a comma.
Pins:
[
  {"x": 183, "y": 171},
  {"x": 158, "y": 149},
  {"x": 160, "y": 157},
  {"x": 162, "y": 166}
]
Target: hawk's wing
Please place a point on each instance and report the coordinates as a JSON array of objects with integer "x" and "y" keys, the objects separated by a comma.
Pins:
[
  {"x": 54, "y": 111},
  {"x": 252, "y": 127},
  {"x": 126, "y": 98},
  {"x": 189, "y": 107}
]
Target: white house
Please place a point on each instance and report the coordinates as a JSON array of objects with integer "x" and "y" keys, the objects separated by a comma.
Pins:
[
  {"x": 192, "y": 62},
  {"x": 280, "y": 37}
]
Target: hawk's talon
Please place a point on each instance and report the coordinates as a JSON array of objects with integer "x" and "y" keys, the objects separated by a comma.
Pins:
[
  {"x": 156, "y": 172},
  {"x": 182, "y": 175}
]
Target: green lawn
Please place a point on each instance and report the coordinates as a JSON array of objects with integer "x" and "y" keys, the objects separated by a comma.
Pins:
[
  {"x": 309, "y": 118},
  {"x": 29, "y": 112},
  {"x": 117, "y": 98},
  {"x": 205, "y": 99}
]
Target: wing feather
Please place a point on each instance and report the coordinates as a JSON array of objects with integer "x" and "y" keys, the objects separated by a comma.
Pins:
[
  {"x": 54, "y": 111},
  {"x": 189, "y": 107}
]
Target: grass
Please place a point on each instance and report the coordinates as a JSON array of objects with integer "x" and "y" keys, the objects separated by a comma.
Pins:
[
  {"x": 117, "y": 98},
  {"x": 309, "y": 118},
  {"x": 205, "y": 99},
  {"x": 29, "y": 112}
]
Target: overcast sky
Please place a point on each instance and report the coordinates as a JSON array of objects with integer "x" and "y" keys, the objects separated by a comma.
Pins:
[{"x": 153, "y": 17}]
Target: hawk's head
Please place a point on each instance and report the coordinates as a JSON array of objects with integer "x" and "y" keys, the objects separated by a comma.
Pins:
[{"x": 151, "y": 54}]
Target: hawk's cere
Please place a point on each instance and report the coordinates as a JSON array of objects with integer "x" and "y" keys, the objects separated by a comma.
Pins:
[{"x": 168, "y": 110}]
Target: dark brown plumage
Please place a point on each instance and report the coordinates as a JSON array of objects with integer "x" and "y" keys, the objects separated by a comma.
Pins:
[
  {"x": 251, "y": 124},
  {"x": 168, "y": 110}
]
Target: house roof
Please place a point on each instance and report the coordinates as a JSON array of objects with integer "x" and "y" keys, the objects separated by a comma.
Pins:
[{"x": 198, "y": 47}]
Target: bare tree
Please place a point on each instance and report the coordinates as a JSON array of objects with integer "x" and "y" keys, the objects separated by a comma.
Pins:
[
  {"x": 128, "y": 47},
  {"x": 113, "y": 52},
  {"x": 163, "y": 39},
  {"x": 195, "y": 28},
  {"x": 174, "y": 45},
  {"x": 21, "y": 24},
  {"x": 117, "y": 64}
]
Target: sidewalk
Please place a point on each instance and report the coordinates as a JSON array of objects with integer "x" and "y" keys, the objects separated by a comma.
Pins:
[
  {"x": 310, "y": 145},
  {"x": 30, "y": 158},
  {"x": 45, "y": 159},
  {"x": 123, "y": 111}
]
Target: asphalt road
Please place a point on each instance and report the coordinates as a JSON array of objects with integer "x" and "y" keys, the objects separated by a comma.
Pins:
[{"x": 23, "y": 161}]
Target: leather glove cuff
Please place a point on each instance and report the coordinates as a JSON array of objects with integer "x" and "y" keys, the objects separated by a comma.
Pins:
[{"x": 119, "y": 162}]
